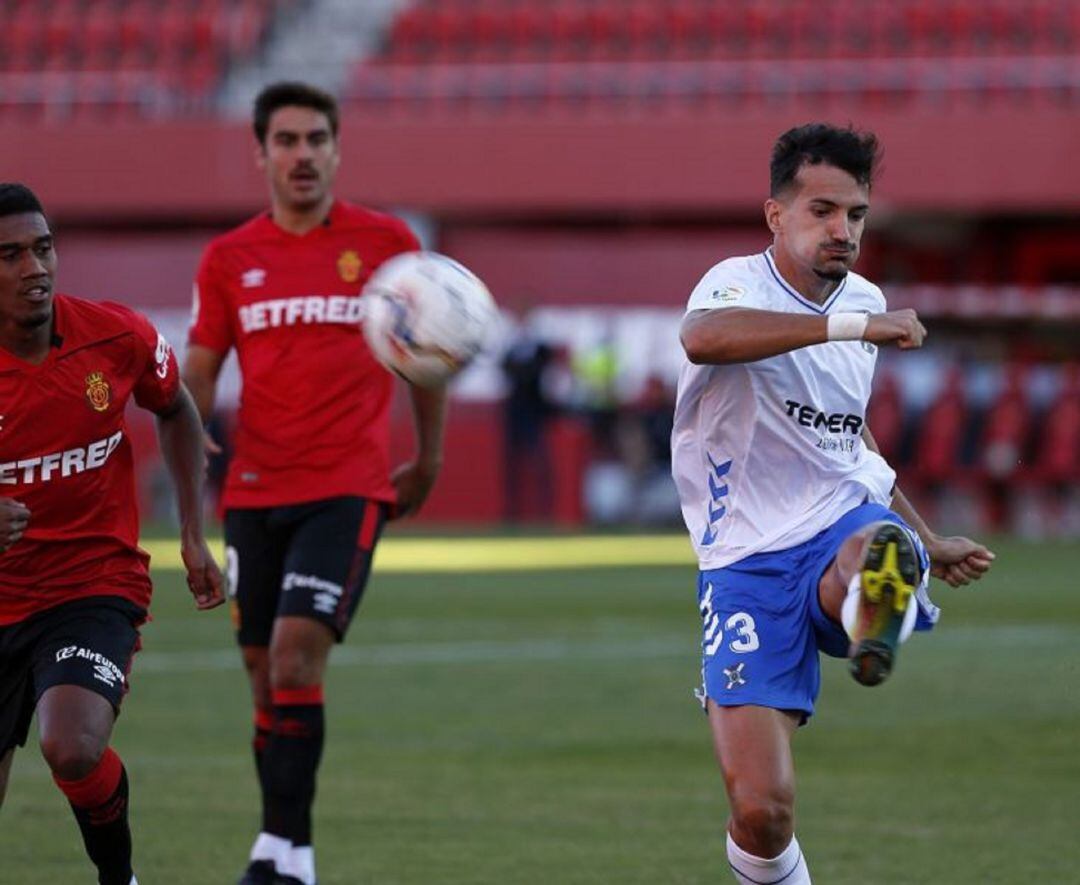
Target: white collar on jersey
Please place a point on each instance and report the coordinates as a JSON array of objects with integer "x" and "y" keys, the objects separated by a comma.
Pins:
[{"x": 805, "y": 302}]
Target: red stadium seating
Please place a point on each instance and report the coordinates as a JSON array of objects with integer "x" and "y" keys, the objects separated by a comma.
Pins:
[
  {"x": 124, "y": 55},
  {"x": 885, "y": 417},
  {"x": 938, "y": 451},
  {"x": 1057, "y": 459},
  {"x": 773, "y": 49}
]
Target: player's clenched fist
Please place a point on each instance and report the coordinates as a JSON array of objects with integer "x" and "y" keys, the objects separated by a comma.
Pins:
[
  {"x": 899, "y": 327},
  {"x": 14, "y": 517}
]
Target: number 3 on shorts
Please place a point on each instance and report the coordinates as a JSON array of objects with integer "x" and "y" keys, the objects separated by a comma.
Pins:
[{"x": 746, "y": 638}]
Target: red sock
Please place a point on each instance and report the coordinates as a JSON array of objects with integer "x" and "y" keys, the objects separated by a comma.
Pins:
[
  {"x": 98, "y": 786},
  {"x": 100, "y": 804}
]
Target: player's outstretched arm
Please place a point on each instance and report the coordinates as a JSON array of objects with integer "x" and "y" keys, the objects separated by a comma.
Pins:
[
  {"x": 744, "y": 334},
  {"x": 414, "y": 480},
  {"x": 14, "y": 517},
  {"x": 954, "y": 559},
  {"x": 181, "y": 436}
]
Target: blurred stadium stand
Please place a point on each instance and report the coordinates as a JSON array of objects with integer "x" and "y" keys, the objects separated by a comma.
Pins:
[
  {"x": 590, "y": 159},
  {"x": 513, "y": 52}
]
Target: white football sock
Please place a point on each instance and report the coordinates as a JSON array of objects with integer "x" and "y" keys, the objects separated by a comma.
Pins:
[
  {"x": 850, "y": 609},
  {"x": 272, "y": 848},
  {"x": 299, "y": 862},
  {"x": 788, "y": 867}
]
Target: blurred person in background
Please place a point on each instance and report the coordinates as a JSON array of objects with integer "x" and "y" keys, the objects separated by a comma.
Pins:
[
  {"x": 309, "y": 486},
  {"x": 527, "y": 410},
  {"x": 596, "y": 371},
  {"x": 74, "y": 585},
  {"x": 783, "y": 491}
]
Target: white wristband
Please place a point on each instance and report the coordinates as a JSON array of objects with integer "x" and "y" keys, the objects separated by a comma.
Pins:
[{"x": 847, "y": 326}]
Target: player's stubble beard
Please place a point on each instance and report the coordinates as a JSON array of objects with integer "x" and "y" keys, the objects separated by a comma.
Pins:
[
  {"x": 36, "y": 320},
  {"x": 833, "y": 276},
  {"x": 837, "y": 276}
]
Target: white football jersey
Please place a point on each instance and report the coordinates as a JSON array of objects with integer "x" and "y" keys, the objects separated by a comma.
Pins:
[{"x": 767, "y": 454}]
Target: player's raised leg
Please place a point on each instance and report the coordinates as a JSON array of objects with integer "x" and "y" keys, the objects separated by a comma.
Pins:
[
  {"x": 870, "y": 589},
  {"x": 75, "y": 725},
  {"x": 753, "y": 746}
]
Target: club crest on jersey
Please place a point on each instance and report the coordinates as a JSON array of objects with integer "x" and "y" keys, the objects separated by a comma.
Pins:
[
  {"x": 98, "y": 391},
  {"x": 349, "y": 264}
]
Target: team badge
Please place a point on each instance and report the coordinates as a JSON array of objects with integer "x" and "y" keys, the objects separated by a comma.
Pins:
[
  {"x": 735, "y": 675},
  {"x": 97, "y": 391},
  {"x": 348, "y": 266}
]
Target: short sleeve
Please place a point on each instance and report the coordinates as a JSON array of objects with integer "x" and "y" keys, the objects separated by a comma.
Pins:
[
  {"x": 407, "y": 240},
  {"x": 157, "y": 384},
  {"x": 210, "y": 323},
  {"x": 721, "y": 287}
]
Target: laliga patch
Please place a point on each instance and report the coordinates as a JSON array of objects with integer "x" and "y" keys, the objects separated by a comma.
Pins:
[{"x": 728, "y": 295}]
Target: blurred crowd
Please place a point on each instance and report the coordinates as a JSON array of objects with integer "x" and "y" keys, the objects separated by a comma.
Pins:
[{"x": 979, "y": 445}]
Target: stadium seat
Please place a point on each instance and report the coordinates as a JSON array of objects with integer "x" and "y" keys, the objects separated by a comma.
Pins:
[
  {"x": 1057, "y": 458},
  {"x": 911, "y": 43},
  {"x": 941, "y": 437},
  {"x": 885, "y": 416}
]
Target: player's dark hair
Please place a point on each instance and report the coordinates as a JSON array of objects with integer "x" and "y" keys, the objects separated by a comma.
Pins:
[
  {"x": 857, "y": 153},
  {"x": 291, "y": 93},
  {"x": 16, "y": 199}
]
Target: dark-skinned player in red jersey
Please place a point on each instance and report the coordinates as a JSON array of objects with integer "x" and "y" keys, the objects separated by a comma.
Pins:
[
  {"x": 309, "y": 485},
  {"x": 74, "y": 586}
]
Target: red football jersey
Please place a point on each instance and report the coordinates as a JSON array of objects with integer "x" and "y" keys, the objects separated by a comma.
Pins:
[
  {"x": 65, "y": 454},
  {"x": 314, "y": 403}
]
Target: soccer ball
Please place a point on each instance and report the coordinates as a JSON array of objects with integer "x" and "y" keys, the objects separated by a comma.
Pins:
[{"x": 426, "y": 316}]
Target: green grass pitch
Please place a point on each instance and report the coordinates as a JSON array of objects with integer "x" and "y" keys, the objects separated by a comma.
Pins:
[{"x": 539, "y": 727}]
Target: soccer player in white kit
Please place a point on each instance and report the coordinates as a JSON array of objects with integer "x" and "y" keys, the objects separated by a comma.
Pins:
[{"x": 804, "y": 542}]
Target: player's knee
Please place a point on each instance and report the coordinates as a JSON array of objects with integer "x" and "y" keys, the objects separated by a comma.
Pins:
[
  {"x": 294, "y": 668},
  {"x": 762, "y": 823},
  {"x": 73, "y": 756},
  {"x": 849, "y": 558},
  {"x": 257, "y": 664}
]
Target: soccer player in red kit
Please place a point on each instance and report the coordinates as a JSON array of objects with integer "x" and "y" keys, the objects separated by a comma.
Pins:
[
  {"x": 74, "y": 586},
  {"x": 309, "y": 484}
]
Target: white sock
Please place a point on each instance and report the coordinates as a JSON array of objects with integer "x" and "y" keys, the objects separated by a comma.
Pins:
[
  {"x": 299, "y": 862},
  {"x": 850, "y": 609},
  {"x": 272, "y": 848},
  {"x": 788, "y": 867}
]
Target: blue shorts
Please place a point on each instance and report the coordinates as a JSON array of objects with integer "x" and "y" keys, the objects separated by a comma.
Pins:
[{"x": 764, "y": 626}]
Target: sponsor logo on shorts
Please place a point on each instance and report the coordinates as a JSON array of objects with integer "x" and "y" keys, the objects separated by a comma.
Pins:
[
  {"x": 734, "y": 675},
  {"x": 327, "y": 593},
  {"x": 104, "y": 669}
]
